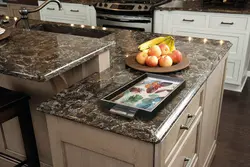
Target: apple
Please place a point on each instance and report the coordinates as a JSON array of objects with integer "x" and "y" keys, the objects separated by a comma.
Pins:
[
  {"x": 154, "y": 51},
  {"x": 152, "y": 61},
  {"x": 165, "y": 61},
  {"x": 164, "y": 49},
  {"x": 176, "y": 56},
  {"x": 141, "y": 57},
  {"x": 173, "y": 57}
]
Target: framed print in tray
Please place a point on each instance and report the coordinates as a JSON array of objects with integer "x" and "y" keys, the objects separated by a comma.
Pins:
[{"x": 144, "y": 96}]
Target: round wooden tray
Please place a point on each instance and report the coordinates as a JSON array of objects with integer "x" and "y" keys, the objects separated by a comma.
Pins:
[
  {"x": 5, "y": 35},
  {"x": 131, "y": 62}
]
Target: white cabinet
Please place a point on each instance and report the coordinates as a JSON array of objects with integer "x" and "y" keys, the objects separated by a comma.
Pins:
[
  {"x": 222, "y": 27},
  {"x": 235, "y": 54},
  {"x": 189, "y": 20},
  {"x": 71, "y": 13},
  {"x": 233, "y": 23},
  {"x": 3, "y": 10}
]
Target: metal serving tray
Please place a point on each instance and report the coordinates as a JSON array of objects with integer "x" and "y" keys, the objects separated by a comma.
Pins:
[{"x": 144, "y": 96}]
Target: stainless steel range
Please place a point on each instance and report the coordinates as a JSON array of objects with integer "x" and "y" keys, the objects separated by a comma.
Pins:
[{"x": 127, "y": 14}]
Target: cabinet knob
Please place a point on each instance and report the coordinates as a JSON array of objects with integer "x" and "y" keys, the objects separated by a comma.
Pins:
[
  {"x": 188, "y": 123},
  {"x": 184, "y": 127}
]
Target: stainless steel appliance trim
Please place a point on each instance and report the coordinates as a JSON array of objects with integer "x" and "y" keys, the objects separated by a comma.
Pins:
[
  {"x": 126, "y": 24},
  {"x": 124, "y": 18},
  {"x": 137, "y": 6}
]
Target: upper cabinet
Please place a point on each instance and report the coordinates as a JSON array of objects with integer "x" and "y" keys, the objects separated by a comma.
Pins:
[
  {"x": 71, "y": 13},
  {"x": 223, "y": 27}
]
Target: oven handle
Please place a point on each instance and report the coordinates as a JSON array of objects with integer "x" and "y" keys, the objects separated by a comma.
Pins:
[{"x": 123, "y": 20}]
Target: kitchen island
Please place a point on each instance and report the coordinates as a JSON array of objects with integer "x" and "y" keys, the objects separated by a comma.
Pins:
[{"x": 82, "y": 133}]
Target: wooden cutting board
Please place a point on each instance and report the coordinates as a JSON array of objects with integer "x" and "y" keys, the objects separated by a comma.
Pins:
[{"x": 132, "y": 63}]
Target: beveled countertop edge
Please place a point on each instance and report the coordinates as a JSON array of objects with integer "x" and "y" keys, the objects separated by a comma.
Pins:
[{"x": 77, "y": 62}]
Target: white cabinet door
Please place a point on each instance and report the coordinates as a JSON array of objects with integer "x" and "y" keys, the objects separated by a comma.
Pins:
[
  {"x": 236, "y": 52},
  {"x": 161, "y": 22}
]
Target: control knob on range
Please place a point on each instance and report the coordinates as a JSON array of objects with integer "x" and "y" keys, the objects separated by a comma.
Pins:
[
  {"x": 139, "y": 7},
  {"x": 105, "y": 5},
  {"x": 146, "y": 7}
]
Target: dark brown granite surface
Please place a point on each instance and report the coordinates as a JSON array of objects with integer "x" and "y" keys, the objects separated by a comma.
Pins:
[
  {"x": 40, "y": 56},
  {"x": 80, "y": 103},
  {"x": 195, "y": 5},
  {"x": 84, "y": 2}
]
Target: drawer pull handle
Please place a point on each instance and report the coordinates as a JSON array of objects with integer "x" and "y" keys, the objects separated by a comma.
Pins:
[
  {"x": 227, "y": 23},
  {"x": 186, "y": 127},
  {"x": 72, "y": 10},
  {"x": 50, "y": 8},
  {"x": 190, "y": 116},
  {"x": 187, "y": 20},
  {"x": 188, "y": 162}
]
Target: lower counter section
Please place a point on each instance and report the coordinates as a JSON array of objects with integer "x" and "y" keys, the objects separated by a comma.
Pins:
[
  {"x": 10, "y": 135},
  {"x": 190, "y": 142}
]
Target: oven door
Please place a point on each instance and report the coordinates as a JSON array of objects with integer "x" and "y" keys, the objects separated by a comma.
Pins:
[{"x": 138, "y": 23}]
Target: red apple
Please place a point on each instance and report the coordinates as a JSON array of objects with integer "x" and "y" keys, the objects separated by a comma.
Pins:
[
  {"x": 152, "y": 61},
  {"x": 165, "y": 61},
  {"x": 164, "y": 49},
  {"x": 154, "y": 51},
  {"x": 176, "y": 56},
  {"x": 173, "y": 57},
  {"x": 141, "y": 57}
]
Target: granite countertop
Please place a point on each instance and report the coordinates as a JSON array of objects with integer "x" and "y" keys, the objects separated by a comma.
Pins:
[
  {"x": 84, "y": 2},
  {"x": 196, "y": 6},
  {"x": 40, "y": 56},
  {"x": 80, "y": 103}
]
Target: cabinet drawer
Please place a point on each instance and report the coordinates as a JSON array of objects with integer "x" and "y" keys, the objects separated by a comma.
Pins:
[
  {"x": 189, "y": 20},
  {"x": 51, "y": 8},
  {"x": 236, "y": 39},
  {"x": 186, "y": 154},
  {"x": 232, "y": 71},
  {"x": 75, "y": 10},
  {"x": 233, "y": 23},
  {"x": 181, "y": 127}
]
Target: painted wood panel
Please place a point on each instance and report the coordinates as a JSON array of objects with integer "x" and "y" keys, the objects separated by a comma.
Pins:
[{"x": 80, "y": 157}]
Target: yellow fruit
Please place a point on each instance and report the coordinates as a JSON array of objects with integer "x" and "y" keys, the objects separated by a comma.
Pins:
[
  {"x": 151, "y": 43},
  {"x": 170, "y": 41}
]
